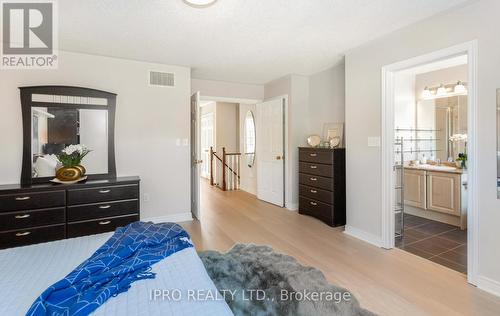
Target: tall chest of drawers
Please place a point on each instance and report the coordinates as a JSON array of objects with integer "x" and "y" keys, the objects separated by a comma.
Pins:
[
  {"x": 46, "y": 212},
  {"x": 322, "y": 191}
]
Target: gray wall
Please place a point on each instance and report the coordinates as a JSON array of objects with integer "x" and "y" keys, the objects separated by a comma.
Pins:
[{"x": 479, "y": 20}]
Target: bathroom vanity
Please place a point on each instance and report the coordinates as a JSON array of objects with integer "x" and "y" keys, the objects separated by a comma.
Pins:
[{"x": 437, "y": 192}]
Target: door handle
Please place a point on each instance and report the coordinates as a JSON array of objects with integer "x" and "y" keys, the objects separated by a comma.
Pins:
[
  {"x": 103, "y": 207},
  {"x": 314, "y": 203},
  {"x": 313, "y": 155},
  {"x": 314, "y": 167},
  {"x": 104, "y": 222},
  {"x": 22, "y": 216},
  {"x": 314, "y": 191},
  {"x": 314, "y": 179},
  {"x": 24, "y": 198},
  {"x": 104, "y": 191},
  {"x": 23, "y": 234},
  {"x": 279, "y": 157}
]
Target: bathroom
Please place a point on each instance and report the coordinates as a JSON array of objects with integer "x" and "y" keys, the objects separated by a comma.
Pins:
[{"x": 431, "y": 162}]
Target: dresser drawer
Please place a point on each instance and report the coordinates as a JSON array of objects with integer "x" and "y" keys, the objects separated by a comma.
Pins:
[
  {"x": 32, "y": 200},
  {"x": 316, "y": 169},
  {"x": 316, "y": 156},
  {"x": 320, "y": 210},
  {"x": 31, "y": 236},
  {"x": 103, "y": 194},
  {"x": 104, "y": 209},
  {"x": 25, "y": 219},
  {"x": 316, "y": 194},
  {"x": 316, "y": 181},
  {"x": 99, "y": 226}
]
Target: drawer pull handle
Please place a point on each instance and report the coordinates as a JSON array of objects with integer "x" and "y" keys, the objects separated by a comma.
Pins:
[
  {"x": 314, "y": 191},
  {"x": 22, "y": 216},
  {"x": 313, "y": 155},
  {"x": 24, "y": 198},
  {"x": 314, "y": 203},
  {"x": 314, "y": 167},
  {"x": 23, "y": 234},
  {"x": 104, "y": 191},
  {"x": 104, "y": 222},
  {"x": 314, "y": 179},
  {"x": 103, "y": 207}
]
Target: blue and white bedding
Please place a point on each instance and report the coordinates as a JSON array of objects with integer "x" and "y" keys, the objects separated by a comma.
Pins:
[{"x": 26, "y": 272}]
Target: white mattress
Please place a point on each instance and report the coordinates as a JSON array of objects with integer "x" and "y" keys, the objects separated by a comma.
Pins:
[{"x": 25, "y": 272}]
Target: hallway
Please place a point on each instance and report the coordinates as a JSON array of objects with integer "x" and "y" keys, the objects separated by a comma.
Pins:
[{"x": 386, "y": 282}]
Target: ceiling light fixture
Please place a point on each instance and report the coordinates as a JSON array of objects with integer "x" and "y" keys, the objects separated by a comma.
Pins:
[
  {"x": 460, "y": 88},
  {"x": 200, "y": 3}
]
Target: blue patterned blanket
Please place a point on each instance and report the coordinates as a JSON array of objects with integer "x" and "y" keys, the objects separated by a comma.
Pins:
[{"x": 125, "y": 258}]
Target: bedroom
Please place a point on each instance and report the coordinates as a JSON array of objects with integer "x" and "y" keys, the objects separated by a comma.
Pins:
[{"x": 327, "y": 74}]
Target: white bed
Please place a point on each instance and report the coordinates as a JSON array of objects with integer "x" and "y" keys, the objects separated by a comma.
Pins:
[{"x": 25, "y": 272}]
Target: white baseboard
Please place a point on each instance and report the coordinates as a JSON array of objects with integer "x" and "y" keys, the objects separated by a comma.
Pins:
[
  {"x": 176, "y": 218},
  {"x": 364, "y": 236},
  {"x": 292, "y": 206},
  {"x": 488, "y": 285}
]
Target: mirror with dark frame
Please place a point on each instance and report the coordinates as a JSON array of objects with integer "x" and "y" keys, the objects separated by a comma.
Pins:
[{"x": 55, "y": 117}]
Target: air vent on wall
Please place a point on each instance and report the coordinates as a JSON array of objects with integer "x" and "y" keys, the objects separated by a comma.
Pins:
[{"x": 161, "y": 79}]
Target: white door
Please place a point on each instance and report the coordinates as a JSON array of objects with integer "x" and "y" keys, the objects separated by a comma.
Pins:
[
  {"x": 207, "y": 141},
  {"x": 270, "y": 152},
  {"x": 195, "y": 156}
]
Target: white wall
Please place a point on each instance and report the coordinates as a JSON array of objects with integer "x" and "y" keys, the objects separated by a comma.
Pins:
[
  {"x": 248, "y": 174},
  {"x": 226, "y": 127},
  {"x": 149, "y": 120},
  {"x": 326, "y": 98},
  {"x": 228, "y": 90},
  {"x": 478, "y": 20}
]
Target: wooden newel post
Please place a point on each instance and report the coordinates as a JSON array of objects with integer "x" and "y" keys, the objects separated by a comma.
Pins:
[
  {"x": 224, "y": 188},
  {"x": 211, "y": 166}
]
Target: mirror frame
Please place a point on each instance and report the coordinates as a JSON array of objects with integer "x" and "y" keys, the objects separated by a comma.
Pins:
[
  {"x": 245, "y": 139},
  {"x": 26, "y": 107}
]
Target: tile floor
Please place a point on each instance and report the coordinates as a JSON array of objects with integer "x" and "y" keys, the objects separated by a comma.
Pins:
[{"x": 442, "y": 243}]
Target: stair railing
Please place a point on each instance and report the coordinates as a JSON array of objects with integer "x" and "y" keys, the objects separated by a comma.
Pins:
[{"x": 225, "y": 170}]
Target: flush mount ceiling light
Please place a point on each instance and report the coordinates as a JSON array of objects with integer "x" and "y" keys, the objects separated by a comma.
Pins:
[{"x": 200, "y": 3}]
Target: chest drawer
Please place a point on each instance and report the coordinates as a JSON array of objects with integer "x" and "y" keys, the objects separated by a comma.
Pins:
[
  {"x": 99, "y": 226},
  {"x": 100, "y": 210},
  {"x": 317, "y": 209},
  {"x": 32, "y": 200},
  {"x": 316, "y": 181},
  {"x": 25, "y": 219},
  {"x": 316, "y": 156},
  {"x": 316, "y": 194},
  {"x": 103, "y": 194},
  {"x": 32, "y": 236},
  {"x": 316, "y": 169}
]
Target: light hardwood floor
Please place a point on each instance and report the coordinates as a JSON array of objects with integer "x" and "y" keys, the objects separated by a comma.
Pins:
[{"x": 387, "y": 282}]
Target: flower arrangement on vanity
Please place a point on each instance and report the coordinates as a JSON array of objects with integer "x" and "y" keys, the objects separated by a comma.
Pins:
[{"x": 71, "y": 159}]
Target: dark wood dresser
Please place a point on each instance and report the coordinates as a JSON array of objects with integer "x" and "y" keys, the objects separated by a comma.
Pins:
[
  {"x": 45, "y": 212},
  {"x": 322, "y": 184}
]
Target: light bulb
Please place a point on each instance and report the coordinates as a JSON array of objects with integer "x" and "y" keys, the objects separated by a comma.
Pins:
[
  {"x": 441, "y": 91},
  {"x": 460, "y": 88},
  {"x": 426, "y": 93}
]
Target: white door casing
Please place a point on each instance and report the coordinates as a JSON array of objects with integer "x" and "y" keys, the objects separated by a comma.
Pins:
[
  {"x": 270, "y": 151},
  {"x": 207, "y": 141},
  {"x": 195, "y": 155}
]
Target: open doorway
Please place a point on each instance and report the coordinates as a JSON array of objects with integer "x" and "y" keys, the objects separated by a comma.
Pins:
[{"x": 429, "y": 162}]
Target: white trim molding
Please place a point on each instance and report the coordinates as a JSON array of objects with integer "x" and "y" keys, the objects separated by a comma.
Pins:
[
  {"x": 488, "y": 285},
  {"x": 387, "y": 150},
  {"x": 176, "y": 218},
  {"x": 364, "y": 236}
]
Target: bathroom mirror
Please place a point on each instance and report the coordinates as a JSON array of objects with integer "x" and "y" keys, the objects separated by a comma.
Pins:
[
  {"x": 498, "y": 143},
  {"x": 250, "y": 139},
  {"x": 55, "y": 117}
]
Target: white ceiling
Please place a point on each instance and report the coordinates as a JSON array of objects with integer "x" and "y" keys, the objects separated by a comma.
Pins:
[{"x": 247, "y": 41}]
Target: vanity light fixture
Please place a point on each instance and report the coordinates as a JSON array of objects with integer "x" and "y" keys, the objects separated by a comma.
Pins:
[
  {"x": 441, "y": 91},
  {"x": 426, "y": 93},
  {"x": 460, "y": 88},
  {"x": 199, "y": 3}
]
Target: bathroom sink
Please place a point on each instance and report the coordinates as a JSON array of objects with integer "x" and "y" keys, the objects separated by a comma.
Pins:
[{"x": 437, "y": 168}]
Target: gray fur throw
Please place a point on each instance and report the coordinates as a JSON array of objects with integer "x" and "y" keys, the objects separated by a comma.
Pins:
[{"x": 255, "y": 280}]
